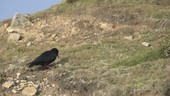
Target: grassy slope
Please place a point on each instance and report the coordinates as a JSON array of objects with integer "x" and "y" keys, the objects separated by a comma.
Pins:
[{"x": 120, "y": 67}]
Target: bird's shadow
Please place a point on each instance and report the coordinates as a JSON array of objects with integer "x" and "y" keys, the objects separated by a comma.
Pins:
[{"x": 62, "y": 61}]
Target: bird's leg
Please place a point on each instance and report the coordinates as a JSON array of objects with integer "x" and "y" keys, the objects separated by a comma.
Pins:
[{"x": 44, "y": 67}]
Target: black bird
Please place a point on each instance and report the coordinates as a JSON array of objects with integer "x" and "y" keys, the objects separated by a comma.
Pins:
[{"x": 45, "y": 58}]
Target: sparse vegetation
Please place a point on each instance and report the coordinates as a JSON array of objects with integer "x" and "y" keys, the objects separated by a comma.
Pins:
[{"x": 94, "y": 56}]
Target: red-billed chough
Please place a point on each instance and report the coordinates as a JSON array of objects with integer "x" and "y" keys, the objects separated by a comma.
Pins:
[{"x": 45, "y": 58}]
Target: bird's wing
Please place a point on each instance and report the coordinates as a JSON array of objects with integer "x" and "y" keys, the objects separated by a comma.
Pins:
[{"x": 45, "y": 57}]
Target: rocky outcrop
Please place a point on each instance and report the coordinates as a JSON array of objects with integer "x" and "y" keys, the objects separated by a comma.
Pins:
[{"x": 19, "y": 22}]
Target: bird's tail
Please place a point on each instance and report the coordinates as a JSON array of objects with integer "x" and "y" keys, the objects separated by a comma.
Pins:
[{"x": 30, "y": 64}]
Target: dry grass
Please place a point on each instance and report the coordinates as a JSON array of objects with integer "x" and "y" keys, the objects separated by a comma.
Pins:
[{"x": 116, "y": 66}]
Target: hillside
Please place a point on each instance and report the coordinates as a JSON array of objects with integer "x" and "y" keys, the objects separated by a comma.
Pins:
[{"x": 106, "y": 48}]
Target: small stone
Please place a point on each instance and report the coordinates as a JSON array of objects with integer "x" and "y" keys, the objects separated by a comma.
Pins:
[
  {"x": 29, "y": 91},
  {"x": 27, "y": 77},
  {"x": 29, "y": 44},
  {"x": 17, "y": 81},
  {"x": 105, "y": 26},
  {"x": 14, "y": 91},
  {"x": 36, "y": 86},
  {"x": 48, "y": 85},
  {"x": 53, "y": 85},
  {"x": 23, "y": 81},
  {"x": 30, "y": 82},
  {"x": 129, "y": 37},
  {"x": 15, "y": 87},
  {"x": 1, "y": 35},
  {"x": 74, "y": 91},
  {"x": 59, "y": 65},
  {"x": 22, "y": 84},
  {"x": 53, "y": 36},
  {"x": 8, "y": 84},
  {"x": 145, "y": 44},
  {"x": 18, "y": 74}
]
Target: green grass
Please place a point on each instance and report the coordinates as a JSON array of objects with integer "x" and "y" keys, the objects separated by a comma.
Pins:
[
  {"x": 140, "y": 57},
  {"x": 113, "y": 61}
]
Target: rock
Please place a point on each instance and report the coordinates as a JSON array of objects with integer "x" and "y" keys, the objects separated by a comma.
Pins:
[
  {"x": 17, "y": 81},
  {"x": 105, "y": 26},
  {"x": 14, "y": 91},
  {"x": 8, "y": 84},
  {"x": 29, "y": 91},
  {"x": 19, "y": 22},
  {"x": 18, "y": 75},
  {"x": 29, "y": 44},
  {"x": 53, "y": 36},
  {"x": 21, "y": 86},
  {"x": 30, "y": 82},
  {"x": 145, "y": 44},
  {"x": 14, "y": 37},
  {"x": 27, "y": 77},
  {"x": 129, "y": 37},
  {"x": 60, "y": 65},
  {"x": 53, "y": 85}
]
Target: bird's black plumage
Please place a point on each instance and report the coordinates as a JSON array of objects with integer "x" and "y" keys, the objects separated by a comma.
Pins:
[{"x": 45, "y": 58}]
